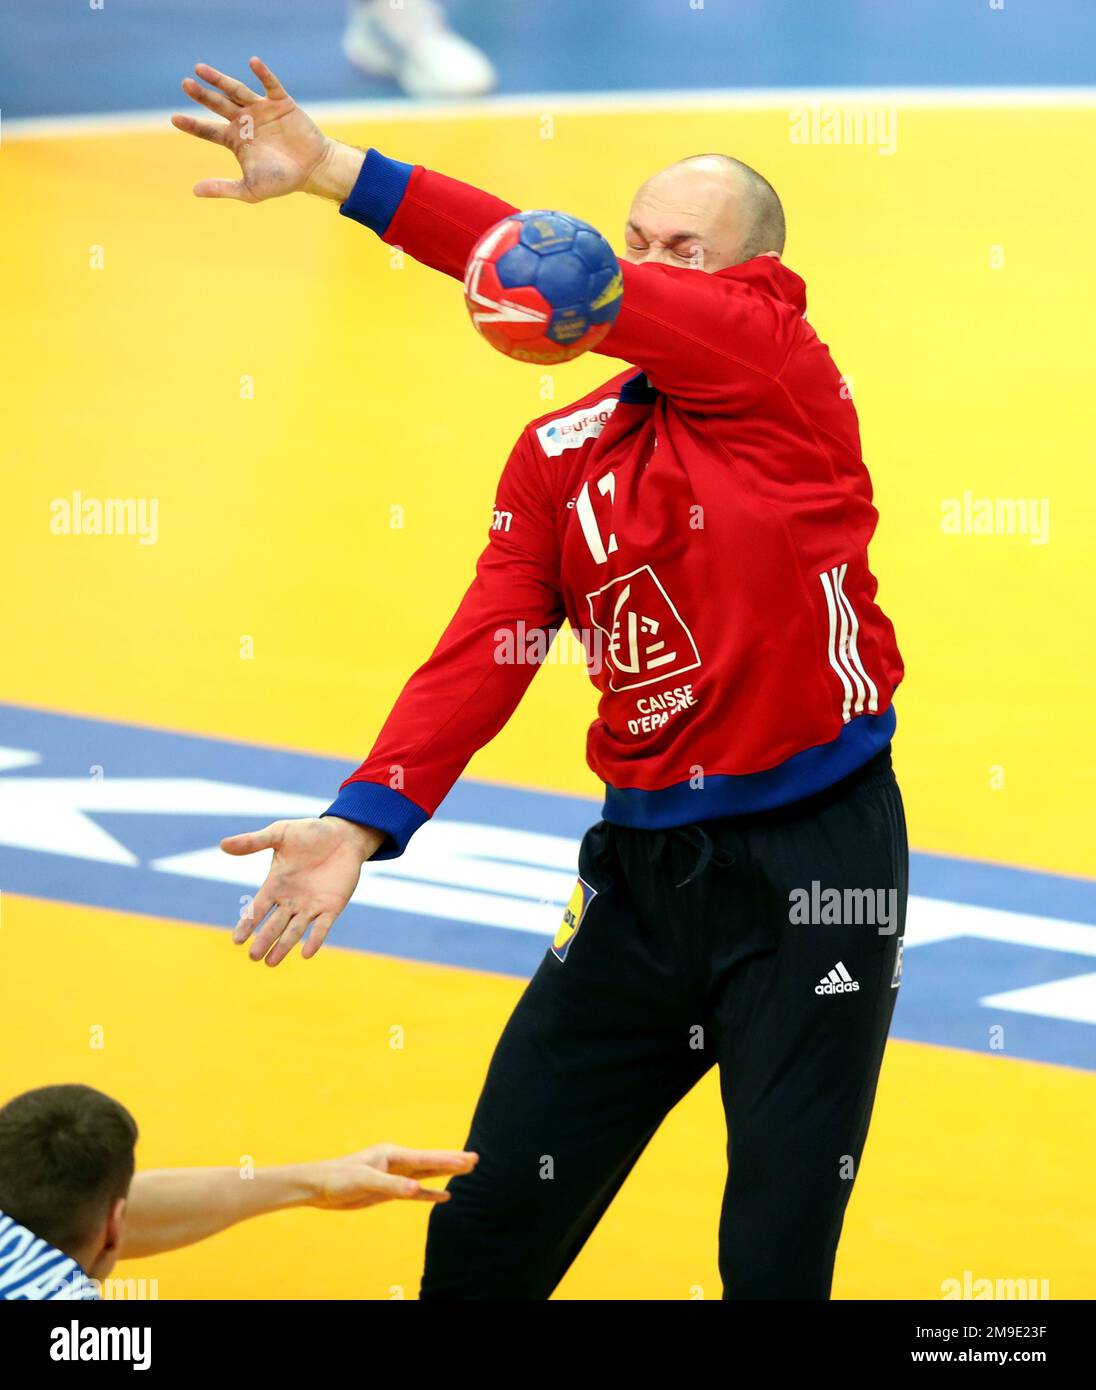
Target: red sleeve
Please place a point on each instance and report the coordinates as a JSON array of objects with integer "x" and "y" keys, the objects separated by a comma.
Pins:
[
  {"x": 472, "y": 682},
  {"x": 440, "y": 219},
  {"x": 709, "y": 342}
]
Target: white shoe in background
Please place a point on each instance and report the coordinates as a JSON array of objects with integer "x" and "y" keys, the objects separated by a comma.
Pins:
[{"x": 411, "y": 41}]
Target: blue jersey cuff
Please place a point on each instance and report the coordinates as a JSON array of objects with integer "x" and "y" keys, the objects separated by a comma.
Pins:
[
  {"x": 381, "y": 808},
  {"x": 378, "y": 192}
]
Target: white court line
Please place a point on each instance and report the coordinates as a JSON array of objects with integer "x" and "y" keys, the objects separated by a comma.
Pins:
[
  {"x": 930, "y": 920},
  {"x": 1073, "y": 1000},
  {"x": 576, "y": 103}
]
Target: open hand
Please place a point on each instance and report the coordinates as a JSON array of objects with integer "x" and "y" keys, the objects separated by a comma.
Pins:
[
  {"x": 383, "y": 1173},
  {"x": 280, "y": 149},
  {"x": 316, "y": 867}
]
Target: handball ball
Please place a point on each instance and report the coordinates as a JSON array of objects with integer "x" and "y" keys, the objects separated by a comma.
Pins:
[{"x": 543, "y": 286}]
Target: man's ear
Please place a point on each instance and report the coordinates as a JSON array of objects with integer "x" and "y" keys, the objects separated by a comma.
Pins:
[{"x": 112, "y": 1236}]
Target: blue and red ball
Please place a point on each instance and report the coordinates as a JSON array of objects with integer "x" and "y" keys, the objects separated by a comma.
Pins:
[{"x": 543, "y": 286}]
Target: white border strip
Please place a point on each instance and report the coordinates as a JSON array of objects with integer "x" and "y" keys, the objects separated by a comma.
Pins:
[{"x": 554, "y": 103}]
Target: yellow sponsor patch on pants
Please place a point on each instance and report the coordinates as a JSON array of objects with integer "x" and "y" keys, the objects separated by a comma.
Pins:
[{"x": 573, "y": 914}]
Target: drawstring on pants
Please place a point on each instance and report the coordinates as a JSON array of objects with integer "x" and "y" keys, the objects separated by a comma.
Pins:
[{"x": 708, "y": 851}]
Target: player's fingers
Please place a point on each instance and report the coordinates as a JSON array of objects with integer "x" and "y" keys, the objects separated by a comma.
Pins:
[
  {"x": 444, "y": 1170},
  {"x": 253, "y": 914},
  {"x": 240, "y": 94},
  {"x": 298, "y": 925},
  {"x": 271, "y": 86},
  {"x": 224, "y": 188},
  {"x": 429, "y": 1163},
  {"x": 211, "y": 99},
  {"x": 269, "y": 932},
  {"x": 249, "y": 841},
  {"x": 384, "y": 1186},
  {"x": 318, "y": 935},
  {"x": 204, "y": 130}
]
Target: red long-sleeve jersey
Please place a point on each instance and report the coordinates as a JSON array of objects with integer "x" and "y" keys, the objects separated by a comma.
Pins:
[{"x": 702, "y": 523}]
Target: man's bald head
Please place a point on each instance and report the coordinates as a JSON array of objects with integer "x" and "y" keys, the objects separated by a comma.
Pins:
[{"x": 708, "y": 211}]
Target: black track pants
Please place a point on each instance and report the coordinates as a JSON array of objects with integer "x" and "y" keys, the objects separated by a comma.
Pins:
[{"x": 769, "y": 946}]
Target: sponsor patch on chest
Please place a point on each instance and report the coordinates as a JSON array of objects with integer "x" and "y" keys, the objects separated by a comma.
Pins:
[{"x": 572, "y": 431}]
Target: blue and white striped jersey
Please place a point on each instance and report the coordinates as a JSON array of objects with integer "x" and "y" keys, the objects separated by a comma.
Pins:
[{"x": 32, "y": 1268}]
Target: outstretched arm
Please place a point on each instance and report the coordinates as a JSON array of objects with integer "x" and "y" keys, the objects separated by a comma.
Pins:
[
  {"x": 172, "y": 1207},
  {"x": 711, "y": 342},
  {"x": 455, "y": 703}
]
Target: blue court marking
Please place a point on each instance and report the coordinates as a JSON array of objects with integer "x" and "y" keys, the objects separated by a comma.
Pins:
[
  {"x": 942, "y": 984},
  {"x": 938, "y": 1003},
  {"x": 62, "y": 56}
]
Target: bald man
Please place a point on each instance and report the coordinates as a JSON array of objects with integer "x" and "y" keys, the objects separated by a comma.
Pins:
[{"x": 702, "y": 521}]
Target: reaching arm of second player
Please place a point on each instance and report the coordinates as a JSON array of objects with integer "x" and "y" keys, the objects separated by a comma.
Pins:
[{"x": 172, "y": 1207}]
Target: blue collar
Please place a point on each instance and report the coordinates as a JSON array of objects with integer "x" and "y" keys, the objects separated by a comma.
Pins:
[{"x": 637, "y": 390}]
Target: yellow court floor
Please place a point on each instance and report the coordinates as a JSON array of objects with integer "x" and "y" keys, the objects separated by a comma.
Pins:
[
  {"x": 321, "y": 430},
  {"x": 974, "y": 1163}
]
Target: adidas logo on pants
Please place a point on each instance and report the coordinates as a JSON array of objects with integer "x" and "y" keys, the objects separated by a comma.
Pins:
[{"x": 838, "y": 981}]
